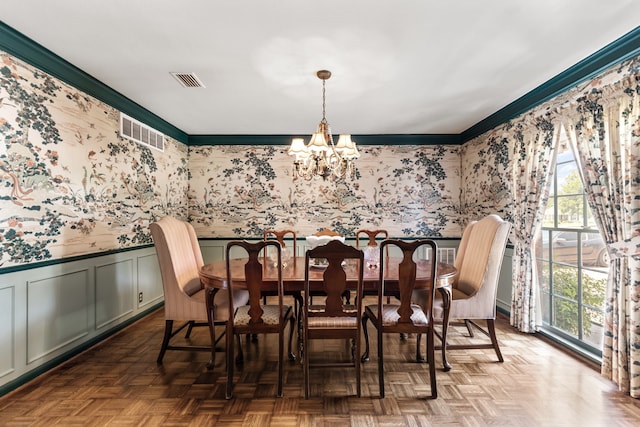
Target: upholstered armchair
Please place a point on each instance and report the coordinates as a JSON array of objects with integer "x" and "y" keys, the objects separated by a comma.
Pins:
[
  {"x": 180, "y": 260},
  {"x": 478, "y": 261}
]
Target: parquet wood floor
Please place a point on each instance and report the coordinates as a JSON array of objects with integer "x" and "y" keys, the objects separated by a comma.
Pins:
[{"x": 117, "y": 383}]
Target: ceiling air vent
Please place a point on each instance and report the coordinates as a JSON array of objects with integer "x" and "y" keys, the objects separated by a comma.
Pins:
[
  {"x": 140, "y": 133},
  {"x": 188, "y": 79}
]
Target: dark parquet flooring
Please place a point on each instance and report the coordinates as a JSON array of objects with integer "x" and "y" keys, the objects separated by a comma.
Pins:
[{"x": 118, "y": 383}]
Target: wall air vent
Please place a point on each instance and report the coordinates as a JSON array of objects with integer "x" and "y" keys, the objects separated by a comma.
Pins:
[
  {"x": 188, "y": 79},
  {"x": 139, "y": 132}
]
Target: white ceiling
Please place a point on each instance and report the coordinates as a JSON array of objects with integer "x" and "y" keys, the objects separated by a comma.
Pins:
[{"x": 399, "y": 67}]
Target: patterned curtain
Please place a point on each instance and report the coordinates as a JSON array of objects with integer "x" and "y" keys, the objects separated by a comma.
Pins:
[
  {"x": 604, "y": 125},
  {"x": 533, "y": 150}
]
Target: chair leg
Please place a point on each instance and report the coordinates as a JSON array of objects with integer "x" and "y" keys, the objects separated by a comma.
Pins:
[
  {"x": 305, "y": 367},
  {"x": 190, "y": 328},
  {"x": 240, "y": 357},
  {"x": 292, "y": 325},
  {"x": 365, "y": 355},
  {"x": 168, "y": 327},
  {"x": 419, "y": 357},
  {"x": 212, "y": 333},
  {"x": 356, "y": 359},
  {"x": 280, "y": 359},
  {"x": 491, "y": 326},
  {"x": 380, "y": 363},
  {"x": 229, "y": 340},
  {"x": 469, "y": 326},
  {"x": 432, "y": 363}
]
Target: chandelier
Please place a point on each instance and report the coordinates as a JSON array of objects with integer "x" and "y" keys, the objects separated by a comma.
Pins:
[{"x": 321, "y": 157}]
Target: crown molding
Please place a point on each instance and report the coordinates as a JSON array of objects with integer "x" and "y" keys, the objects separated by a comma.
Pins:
[
  {"x": 618, "y": 51},
  {"x": 22, "y": 47}
]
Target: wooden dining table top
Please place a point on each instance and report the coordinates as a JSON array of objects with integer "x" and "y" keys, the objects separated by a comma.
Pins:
[{"x": 215, "y": 274}]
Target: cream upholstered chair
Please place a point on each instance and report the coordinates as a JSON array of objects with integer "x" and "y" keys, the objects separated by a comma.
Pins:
[
  {"x": 473, "y": 297},
  {"x": 180, "y": 260}
]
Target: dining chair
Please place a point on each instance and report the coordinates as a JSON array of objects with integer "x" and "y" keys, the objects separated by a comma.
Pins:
[
  {"x": 404, "y": 316},
  {"x": 280, "y": 237},
  {"x": 291, "y": 258},
  {"x": 474, "y": 289},
  {"x": 372, "y": 235},
  {"x": 180, "y": 260},
  {"x": 256, "y": 318},
  {"x": 334, "y": 319},
  {"x": 371, "y": 248},
  {"x": 322, "y": 237}
]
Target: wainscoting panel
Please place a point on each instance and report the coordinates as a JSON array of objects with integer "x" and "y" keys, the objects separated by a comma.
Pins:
[
  {"x": 503, "y": 301},
  {"x": 50, "y": 313},
  {"x": 114, "y": 291},
  {"x": 57, "y": 312},
  {"x": 7, "y": 338},
  {"x": 149, "y": 280},
  {"x": 213, "y": 250}
]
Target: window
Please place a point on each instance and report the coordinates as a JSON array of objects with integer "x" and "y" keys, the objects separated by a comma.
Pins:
[{"x": 572, "y": 262}]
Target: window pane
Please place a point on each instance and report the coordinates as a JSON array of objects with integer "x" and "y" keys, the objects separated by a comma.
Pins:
[
  {"x": 564, "y": 247},
  {"x": 593, "y": 321},
  {"x": 549, "y": 214},
  {"x": 571, "y": 211},
  {"x": 594, "y": 285},
  {"x": 565, "y": 282},
  {"x": 565, "y": 316}
]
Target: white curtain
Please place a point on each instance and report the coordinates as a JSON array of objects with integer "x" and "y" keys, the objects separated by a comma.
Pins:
[
  {"x": 532, "y": 141},
  {"x": 604, "y": 126}
]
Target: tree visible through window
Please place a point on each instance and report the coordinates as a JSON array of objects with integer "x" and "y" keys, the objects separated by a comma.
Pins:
[{"x": 572, "y": 261}]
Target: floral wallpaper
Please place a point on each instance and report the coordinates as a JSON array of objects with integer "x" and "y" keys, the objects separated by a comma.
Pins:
[
  {"x": 486, "y": 173},
  {"x": 70, "y": 184},
  {"x": 240, "y": 191}
]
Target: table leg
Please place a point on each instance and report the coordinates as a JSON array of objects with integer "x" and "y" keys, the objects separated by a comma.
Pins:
[
  {"x": 446, "y": 305},
  {"x": 210, "y": 293}
]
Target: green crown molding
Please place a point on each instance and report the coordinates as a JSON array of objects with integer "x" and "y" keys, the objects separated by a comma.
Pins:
[
  {"x": 35, "y": 54},
  {"x": 395, "y": 139},
  {"x": 619, "y": 50},
  {"x": 20, "y": 46}
]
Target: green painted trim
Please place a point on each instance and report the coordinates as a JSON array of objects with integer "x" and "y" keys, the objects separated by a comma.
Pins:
[
  {"x": 40, "y": 264},
  {"x": 36, "y": 372},
  {"x": 618, "y": 51},
  {"x": 20, "y": 46},
  {"x": 26, "y": 49},
  {"x": 285, "y": 140}
]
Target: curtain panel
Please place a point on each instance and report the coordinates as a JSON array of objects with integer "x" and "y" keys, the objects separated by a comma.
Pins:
[
  {"x": 604, "y": 126},
  {"x": 533, "y": 143}
]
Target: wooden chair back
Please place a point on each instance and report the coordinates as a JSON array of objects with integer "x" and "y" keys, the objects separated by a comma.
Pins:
[
  {"x": 407, "y": 284},
  {"x": 371, "y": 235},
  {"x": 280, "y": 235},
  {"x": 253, "y": 269}
]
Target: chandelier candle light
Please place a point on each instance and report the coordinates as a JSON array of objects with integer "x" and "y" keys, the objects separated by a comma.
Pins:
[{"x": 321, "y": 157}]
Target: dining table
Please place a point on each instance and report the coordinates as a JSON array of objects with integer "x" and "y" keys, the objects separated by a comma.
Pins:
[{"x": 213, "y": 276}]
